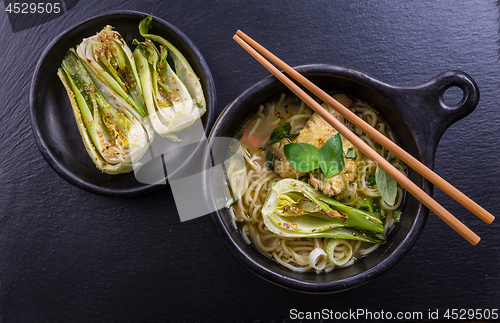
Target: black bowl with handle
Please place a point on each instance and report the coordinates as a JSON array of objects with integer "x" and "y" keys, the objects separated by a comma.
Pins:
[{"x": 418, "y": 116}]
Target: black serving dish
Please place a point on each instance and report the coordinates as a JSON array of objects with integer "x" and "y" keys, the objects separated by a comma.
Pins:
[
  {"x": 53, "y": 122},
  {"x": 418, "y": 116}
]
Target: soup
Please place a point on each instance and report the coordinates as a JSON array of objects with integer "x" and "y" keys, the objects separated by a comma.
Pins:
[{"x": 289, "y": 209}]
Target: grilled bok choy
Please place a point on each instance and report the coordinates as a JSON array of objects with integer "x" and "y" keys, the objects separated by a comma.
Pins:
[
  {"x": 295, "y": 209},
  {"x": 114, "y": 133},
  {"x": 183, "y": 70},
  {"x": 168, "y": 101},
  {"x": 119, "y": 97},
  {"x": 110, "y": 61}
]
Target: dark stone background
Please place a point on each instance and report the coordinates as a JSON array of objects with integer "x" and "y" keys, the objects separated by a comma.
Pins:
[{"x": 67, "y": 255}]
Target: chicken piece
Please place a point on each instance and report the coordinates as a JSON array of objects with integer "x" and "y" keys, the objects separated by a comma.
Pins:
[
  {"x": 337, "y": 184},
  {"x": 316, "y": 132}
]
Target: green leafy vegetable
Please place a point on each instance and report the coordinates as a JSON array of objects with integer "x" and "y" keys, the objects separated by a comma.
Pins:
[
  {"x": 366, "y": 203},
  {"x": 111, "y": 66},
  {"x": 280, "y": 132},
  {"x": 387, "y": 186},
  {"x": 183, "y": 69},
  {"x": 112, "y": 91},
  {"x": 370, "y": 180},
  {"x": 168, "y": 101},
  {"x": 351, "y": 154},
  {"x": 396, "y": 216},
  {"x": 114, "y": 134},
  {"x": 331, "y": 156},
  {"x": 270, "y": 161},
  {"x": 303, "y": 157},
  {"x": 295, "y": 209}
]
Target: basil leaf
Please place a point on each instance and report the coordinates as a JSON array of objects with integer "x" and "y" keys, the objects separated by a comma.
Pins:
[
  {"x": 331, "y": 156},
  {"x": 280, "y": 132},
  {"x": 351, "y": 154},
  {"x": 387, "y": 186},
  {"x": 303, "y": 157}
]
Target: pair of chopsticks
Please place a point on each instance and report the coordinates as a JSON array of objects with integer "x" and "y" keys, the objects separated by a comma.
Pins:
[{"x": 255, "y": 48}]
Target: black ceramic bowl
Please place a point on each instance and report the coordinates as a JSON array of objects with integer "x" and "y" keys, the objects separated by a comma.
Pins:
[
  {"x": 418, "y": 116},
  {"x": 53, "y": 122}
]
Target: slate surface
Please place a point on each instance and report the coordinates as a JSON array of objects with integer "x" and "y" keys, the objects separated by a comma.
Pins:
[{"x": 67, "y": 255}]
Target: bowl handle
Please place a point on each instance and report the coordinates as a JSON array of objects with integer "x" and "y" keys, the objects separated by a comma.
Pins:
[
  {"x": 438, "y": 86},
  {"x": 428, "y": 114}
]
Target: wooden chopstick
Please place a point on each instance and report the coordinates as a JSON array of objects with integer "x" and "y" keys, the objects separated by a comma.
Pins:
[
  {"x": 376, "y": 135},
  {"x": 406, "y": 183}
]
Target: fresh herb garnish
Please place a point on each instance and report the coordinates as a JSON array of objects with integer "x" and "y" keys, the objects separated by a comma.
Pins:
[
  {"x": 305, "y": 157},
  {"x": 351, "y": 154},
  {"x": 331, "y": 156},
  {"x": 301, "y": 156},
  {"x": 370, "y": 180},
  {"x": 280, "y": 132},
  {"x": 270, "y": 161},
  {"x": 387, "y": 186},
  {"x": 397, "y": 216}
]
